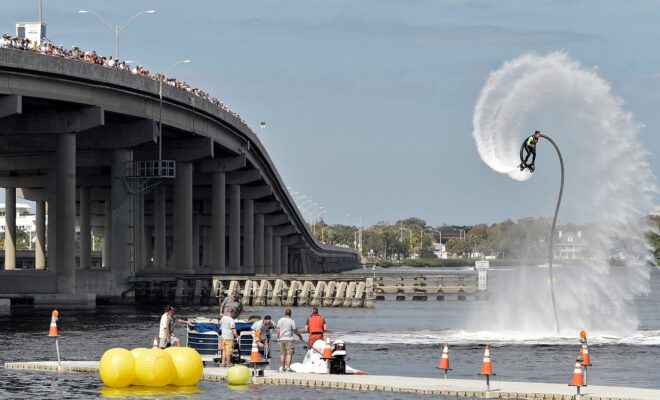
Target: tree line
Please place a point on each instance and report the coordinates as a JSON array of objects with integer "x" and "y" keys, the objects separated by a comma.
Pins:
[{"x": 526, "y": 238}]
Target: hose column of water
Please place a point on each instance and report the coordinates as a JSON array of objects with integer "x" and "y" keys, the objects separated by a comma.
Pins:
[{"x": 552, "y": 232}]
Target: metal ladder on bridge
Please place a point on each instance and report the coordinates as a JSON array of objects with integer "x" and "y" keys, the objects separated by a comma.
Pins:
[{"x": 141, "y": 178}]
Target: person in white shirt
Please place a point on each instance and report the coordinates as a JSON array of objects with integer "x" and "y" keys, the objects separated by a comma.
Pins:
[
  {"x": 166, "y": 330},
  {"x": 228, "y": 333},
  {"x": 286, "y": 328}
]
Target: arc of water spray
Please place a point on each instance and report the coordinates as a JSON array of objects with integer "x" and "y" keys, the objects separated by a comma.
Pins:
[{"x": 552, "y": 232}]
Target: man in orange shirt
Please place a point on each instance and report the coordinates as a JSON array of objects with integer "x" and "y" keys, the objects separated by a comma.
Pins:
[{"x": 315, "y": 326}]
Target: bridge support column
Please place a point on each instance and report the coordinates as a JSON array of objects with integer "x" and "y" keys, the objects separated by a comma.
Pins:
[
  {"x": 277, "y": 255},
  {"x": 195, "y": 239},
  {"x": 248, "y": 237},
  {"x": 65, "y": 210},
  {"x": 107, "y": 234},
  {"x": 218, "y": 212},
  {"x": 40, "y": 242},
  {"x": 183, "y": 215},
  {"x": 120, "y": 203},
  {"x": 85, "y": 228},
  {"x": 160, "y": 227},
  {"x": 234, "y": 229},
  {"x": 268, "y": 250},
  {"x": 10, "y": 228},
  {"x": 148, "y": 246},
  {"x": 141, "y": 253},
  {"x": 284, "y": 268},
  {"x": 304, "y": 259},
  {"x": 258, "y": 243}
]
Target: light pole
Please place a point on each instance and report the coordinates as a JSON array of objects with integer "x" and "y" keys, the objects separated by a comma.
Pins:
[
  {"x": 360, "y": 232},
  {"x": 160, "y": 116},
  {"x": 116, "y": 28},
  {"x": 263, "y": 128}
]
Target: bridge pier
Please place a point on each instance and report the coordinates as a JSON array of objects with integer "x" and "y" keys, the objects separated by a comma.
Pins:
[
  {"x": 10, "y": 228},
  {"x": 183, "y": 215},
  {"x": 234, "y": 229},
  {"x": 218, "y": 211}
]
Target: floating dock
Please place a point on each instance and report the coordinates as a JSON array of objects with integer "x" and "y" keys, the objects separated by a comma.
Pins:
[{"x": 422, "y": 386}]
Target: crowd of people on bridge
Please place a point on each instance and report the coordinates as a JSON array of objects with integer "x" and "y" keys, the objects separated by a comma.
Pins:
[{"x": 91, "y": 57}]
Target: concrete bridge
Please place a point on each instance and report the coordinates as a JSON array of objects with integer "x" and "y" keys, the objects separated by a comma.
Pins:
[{"x": 81, "y": 140}]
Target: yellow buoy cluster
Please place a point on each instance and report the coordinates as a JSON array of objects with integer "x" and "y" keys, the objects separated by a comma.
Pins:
[{"x": 181, "y": 366}]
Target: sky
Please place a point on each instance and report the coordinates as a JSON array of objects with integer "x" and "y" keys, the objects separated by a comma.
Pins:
[{"x": 369, "y": 103}]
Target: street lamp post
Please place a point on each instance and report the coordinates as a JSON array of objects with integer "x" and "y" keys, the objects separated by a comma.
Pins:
[
  {"x": 116, "y": 28},
  {"x": 360, "y": 233},
  {"x": 263, "y": 128}
]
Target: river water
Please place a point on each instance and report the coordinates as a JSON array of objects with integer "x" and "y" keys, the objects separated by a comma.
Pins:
[{"x": 393, "y": 338}]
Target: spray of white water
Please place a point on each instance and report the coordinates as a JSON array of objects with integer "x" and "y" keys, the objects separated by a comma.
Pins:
[{"x": 608, "y": 182}]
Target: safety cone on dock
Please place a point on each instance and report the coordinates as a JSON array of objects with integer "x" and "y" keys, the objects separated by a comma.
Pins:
[
  {"x": 155, "y": 345},
  {"x": 53, "y": 331},
  {"x": 577, "y": 376},
  {"x": 487, "y": 367},
  {"x": 255, "y": 357},
  {"x": 327, "y": 349},
  {"x": 444, "y": 360},
  {"x": 584, "y": 355}
]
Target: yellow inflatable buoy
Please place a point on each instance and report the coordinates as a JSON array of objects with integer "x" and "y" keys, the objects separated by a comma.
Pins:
[
  {"x": 238, "y": 375},
  {"x": 154, "y": 367},
  {"x": 117, "y": 368},
  {"x": 188, "y": 364},
  {"x": 136, "y": 353}
]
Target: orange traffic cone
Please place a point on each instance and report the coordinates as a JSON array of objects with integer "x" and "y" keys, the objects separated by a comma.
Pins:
[
  {"x": 486, "y": 366},
  {"x": 155, "y": 345},
  {"x": 577, "y": 375},
  {"x": 255, "y": 357},
  {"x": 584, "y": 354},
  {"x": 444, "y": 360},
  {"x": 327, "y": 349},
  {"x": 53, "y": 324}
]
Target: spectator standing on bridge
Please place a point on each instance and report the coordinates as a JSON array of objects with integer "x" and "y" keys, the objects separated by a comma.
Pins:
[
  {"x": 166, "y": 332},
  {"x": 233, "y": 301},
  {"x": 227, "y": 335},
  {"x": 286, "y": 328},
  {"x": 315, "y": 326}
]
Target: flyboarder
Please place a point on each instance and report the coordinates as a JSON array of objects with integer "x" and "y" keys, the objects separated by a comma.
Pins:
[{"x": 529, "y": 145}]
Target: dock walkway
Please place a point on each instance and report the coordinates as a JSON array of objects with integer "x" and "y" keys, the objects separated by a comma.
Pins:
[{"x": 424, "y": 386}]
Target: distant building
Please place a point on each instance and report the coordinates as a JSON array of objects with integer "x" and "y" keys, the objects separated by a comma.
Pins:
[
  {"x": 24, "y": 218},
  {"x": 569, "y": 245}
]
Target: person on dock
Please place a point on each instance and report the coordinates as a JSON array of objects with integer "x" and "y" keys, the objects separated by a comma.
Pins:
[
  {"x": 227, "y": 335},
  {"x": 166, "y": 336},
  {"x": 316, "y": 326},
  {"x": 233, "y": 301},
  {"x": 286, "y": 328},
  {"x": 261, "y": 332}
]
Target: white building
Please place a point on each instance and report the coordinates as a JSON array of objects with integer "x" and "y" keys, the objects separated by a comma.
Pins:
[
  {"x": 25, "y": 219},
  {"x": 569, "y": 245}
]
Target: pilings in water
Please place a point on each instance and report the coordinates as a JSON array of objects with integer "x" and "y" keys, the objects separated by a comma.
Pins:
[
  {"x": 294, "y": 292},
  {"x": 321, "y": 290}
]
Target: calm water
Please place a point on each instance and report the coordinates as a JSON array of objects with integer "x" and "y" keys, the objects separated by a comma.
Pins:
[{"x": 395, "y": 338}]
